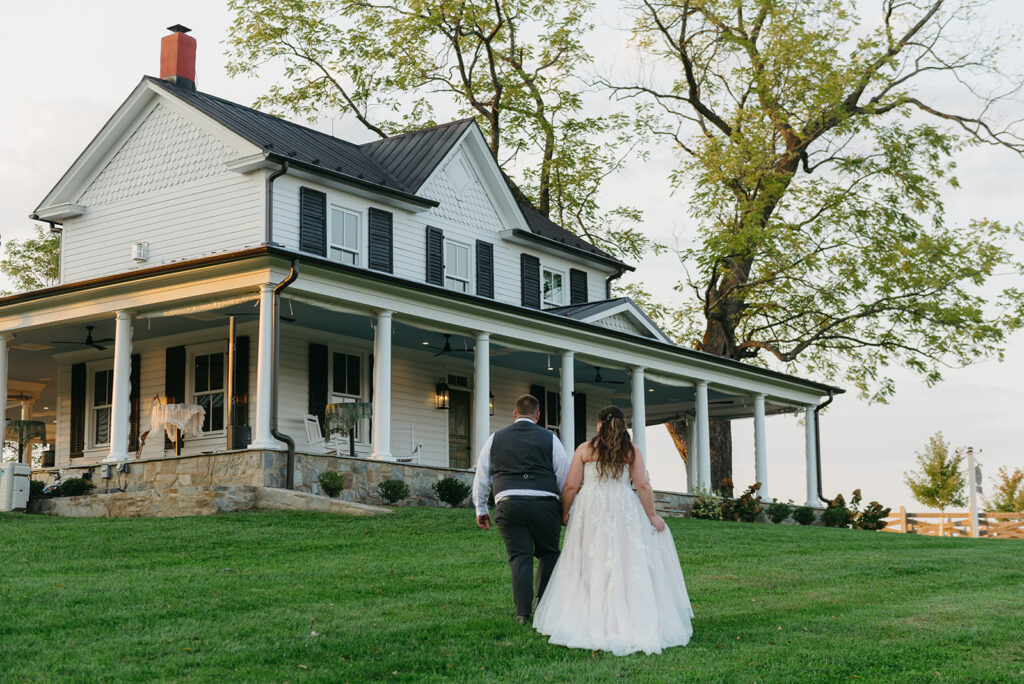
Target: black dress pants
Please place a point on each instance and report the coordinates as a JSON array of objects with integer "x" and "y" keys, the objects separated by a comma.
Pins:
[{"x": 530, "y": 527}]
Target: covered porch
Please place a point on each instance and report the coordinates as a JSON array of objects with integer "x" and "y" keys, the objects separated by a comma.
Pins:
[{"x": 439, "y": 370}]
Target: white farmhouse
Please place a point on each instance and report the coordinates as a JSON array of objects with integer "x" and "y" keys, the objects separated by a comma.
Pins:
[{"x": 401, "y": 277}]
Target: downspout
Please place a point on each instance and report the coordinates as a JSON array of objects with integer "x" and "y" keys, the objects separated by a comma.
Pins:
[
  {"x": 275, "y": 375},
  {"x": 608, "y": 282},
  {"x": 817, "y": 441},
  {"x": 270, "y": 200}
]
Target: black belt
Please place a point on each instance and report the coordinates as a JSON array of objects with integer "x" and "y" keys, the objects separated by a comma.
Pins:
[{"x": 517, "y": 497}]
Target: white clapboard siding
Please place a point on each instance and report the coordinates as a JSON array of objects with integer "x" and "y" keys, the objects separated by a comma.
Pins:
[{"x": 464, "y": 216}]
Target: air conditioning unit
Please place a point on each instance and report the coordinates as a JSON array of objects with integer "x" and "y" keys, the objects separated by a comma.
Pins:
[{"x": 140, "y": 251}]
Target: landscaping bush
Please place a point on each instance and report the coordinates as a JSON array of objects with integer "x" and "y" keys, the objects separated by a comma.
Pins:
[
  {"x": 778, "y": 511},
  {"x": 804, "y": 515},
  {"x": 331, "y": 482},
  {"x": 75, "y": 486},
  {"x": 35, "y": 489},
  {"x": 393, "y": 490},
  {"x": 452, "y": 491},
  {"x": 747, "y": 508},
  {"x": 839, "y": 514},
  {"x": 873, "y": 517},
  {"x": 705, "y": 506},
  {"x": 725, "y": 488}
]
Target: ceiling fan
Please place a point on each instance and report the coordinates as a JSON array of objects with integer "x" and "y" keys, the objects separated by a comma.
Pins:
[
  {"x": 447, "y": 348},
  {"x": 599, "y": 379},
  {"x": 88, "y": 342}
]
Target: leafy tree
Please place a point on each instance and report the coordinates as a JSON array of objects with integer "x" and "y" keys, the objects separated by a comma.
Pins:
[
  {"x": 32, "y": 263},
  {"x": 939, "y": 482},
  {"x": 1008, "y": 496},
  {"x": 513, "y": 65},
  {"x": 816, "y": 167}
]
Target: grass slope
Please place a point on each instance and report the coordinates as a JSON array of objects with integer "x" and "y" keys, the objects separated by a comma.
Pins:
[{"x": 424, "y": 595}]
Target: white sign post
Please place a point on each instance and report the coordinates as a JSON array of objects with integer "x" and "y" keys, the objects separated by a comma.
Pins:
[{"x": 974, "y": 485}]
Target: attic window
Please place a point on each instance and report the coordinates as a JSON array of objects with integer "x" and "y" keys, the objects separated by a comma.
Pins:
[{"x": 458, "y": 174}]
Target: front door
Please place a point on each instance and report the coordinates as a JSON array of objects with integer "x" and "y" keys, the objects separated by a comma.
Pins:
[{"x": 458, "y": 429}]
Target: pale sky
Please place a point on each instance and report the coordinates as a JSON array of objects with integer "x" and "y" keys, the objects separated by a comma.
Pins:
[{"x": 67, "y": 65}]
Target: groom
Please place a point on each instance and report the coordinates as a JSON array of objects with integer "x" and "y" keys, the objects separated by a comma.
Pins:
[{"x": 528, "y": 466}]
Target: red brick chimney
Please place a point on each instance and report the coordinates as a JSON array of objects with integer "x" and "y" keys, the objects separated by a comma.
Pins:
[{"x": 178, "y": 57}]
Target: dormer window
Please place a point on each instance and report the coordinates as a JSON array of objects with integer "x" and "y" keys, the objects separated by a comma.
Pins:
[
  {"x": 456, "y": 266},
  {"x": 552, "y": 287},
  {"x": 344, "y": 238}
]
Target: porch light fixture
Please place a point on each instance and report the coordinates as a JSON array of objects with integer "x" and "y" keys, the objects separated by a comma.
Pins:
[
  {"x": 442, "y": 397},
  {"x": 490, "y": 403}
]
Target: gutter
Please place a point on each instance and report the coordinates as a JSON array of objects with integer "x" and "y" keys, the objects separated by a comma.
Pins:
[
  {"x": 817, "y": 441},
  {"x": 528, "y": 236},
  {"x": 276, "y": 374},
  {"x": 608, "y": 282},
  {"x": 270, "y": 200}
]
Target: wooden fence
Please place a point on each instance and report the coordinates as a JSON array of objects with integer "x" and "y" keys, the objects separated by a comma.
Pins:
[{"x": 995, "y": 525}]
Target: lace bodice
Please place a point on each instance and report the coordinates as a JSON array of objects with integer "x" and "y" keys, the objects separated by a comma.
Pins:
[{"x": 592, "y": 476}]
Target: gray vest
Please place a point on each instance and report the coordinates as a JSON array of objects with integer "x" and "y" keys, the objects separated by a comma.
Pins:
[{"x": 521, "y": 458}]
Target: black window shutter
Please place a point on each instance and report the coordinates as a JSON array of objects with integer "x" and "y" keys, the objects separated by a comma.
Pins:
[
  {"x": 580, "y": 416},
  {"x": 317, "y": 381},
  {"x": 174, "y": 383},
  {"x": 241, "y": 381},
  {"x": 530, "y": 269},
  {"x": 577, "y": 286},
  {"x": 541, "y": 394},
  {"x": 485, "y": 269},
  {"x": 77, "y": 442},
  {"x": 312, "y": 221},
  {"x": 133, "y": 402},
  {"x": 435, "y": 256},
  {"x": 379, "y": 247}
]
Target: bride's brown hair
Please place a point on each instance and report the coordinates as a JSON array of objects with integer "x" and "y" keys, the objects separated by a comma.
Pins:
[{"x": 612, "y": 443}]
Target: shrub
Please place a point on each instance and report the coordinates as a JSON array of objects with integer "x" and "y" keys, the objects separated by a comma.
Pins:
[
  {"x": 705, "y": 506},
  {"x": 452, "y": 491},
  {"x": 746, "y": 508},
  {"x": 725, "y": 488},
  {"x": 75, "y": 486},
  {"x": 838, "y": 514},
  {"x": 804, "y": 515},
  {"x": 331, "y": 482},
  {"x": 35, "y": 489},
  {"x": 778, "y": 511},
  {"x": 393, "y": 490},
  {"x": 873, "y": 517}
]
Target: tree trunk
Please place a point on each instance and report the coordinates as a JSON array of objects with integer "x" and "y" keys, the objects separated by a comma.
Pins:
[
  {"x": 721, "y": 452},
  {"x": 677, "y": 431}
]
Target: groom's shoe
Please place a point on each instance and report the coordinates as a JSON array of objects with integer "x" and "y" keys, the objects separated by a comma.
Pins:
[{"x": 523, "y": 619}]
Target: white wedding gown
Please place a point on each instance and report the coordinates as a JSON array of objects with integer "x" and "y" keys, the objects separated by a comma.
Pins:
[{"x": 617, "y": 586}]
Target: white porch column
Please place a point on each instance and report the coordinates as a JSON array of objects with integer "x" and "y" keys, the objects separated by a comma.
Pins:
[
  {"x": 481, "y": 394},
  {"x": 639, "y": 410},
  {"x": 567, "y": 384},
  {"x": 692, "y": 474},
  {"x": 703, "y": 437},
  {"x": 5, "y": 338},
  {"x": 382, "y": 387},
  {"x": 120, "y": 409},
  {"x": 760, "y": 448},
  {"x": 262, "y": 439},
  {"x": 812, "y": 458}
]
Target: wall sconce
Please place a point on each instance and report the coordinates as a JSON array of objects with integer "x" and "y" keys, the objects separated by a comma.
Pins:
[
  {"x": 491, "y": 403},
  {"x": 442, "y": 397}
]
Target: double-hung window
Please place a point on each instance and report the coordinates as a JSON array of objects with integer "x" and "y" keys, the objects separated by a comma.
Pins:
[
  {"x": 552, "y": 287},
  {"x": 346, "y": 380},
  {"x": 102, "y": 400},
  {"x": 456, "y": 266},
  {"x": 208, "y": 377},
  {"x": 343, "y": 245}
]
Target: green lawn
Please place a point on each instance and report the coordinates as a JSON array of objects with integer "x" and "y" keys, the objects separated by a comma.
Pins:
[{"x": 424, "y": 595}]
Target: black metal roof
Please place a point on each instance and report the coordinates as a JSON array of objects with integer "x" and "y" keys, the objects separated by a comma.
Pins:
[
  {"x": 398, "y": 165},
  {"x": 581, "y": 311},
  {"x": 412, "y": 157},
  {"x": 290, "y": 141},
  {"x": 545, "y": 227}
]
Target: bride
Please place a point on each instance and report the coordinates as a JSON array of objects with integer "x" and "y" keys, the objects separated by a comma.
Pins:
[{"x": 617, "y": 586}]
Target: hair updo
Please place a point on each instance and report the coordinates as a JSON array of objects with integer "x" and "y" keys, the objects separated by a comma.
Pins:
[{"x": 612, "y": 444}]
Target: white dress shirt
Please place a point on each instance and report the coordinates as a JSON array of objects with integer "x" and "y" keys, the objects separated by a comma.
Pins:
[{"x": 482, "y": 481}]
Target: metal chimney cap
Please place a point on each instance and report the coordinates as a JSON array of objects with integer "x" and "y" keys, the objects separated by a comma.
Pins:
[{"x": 178, "y": 28}]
